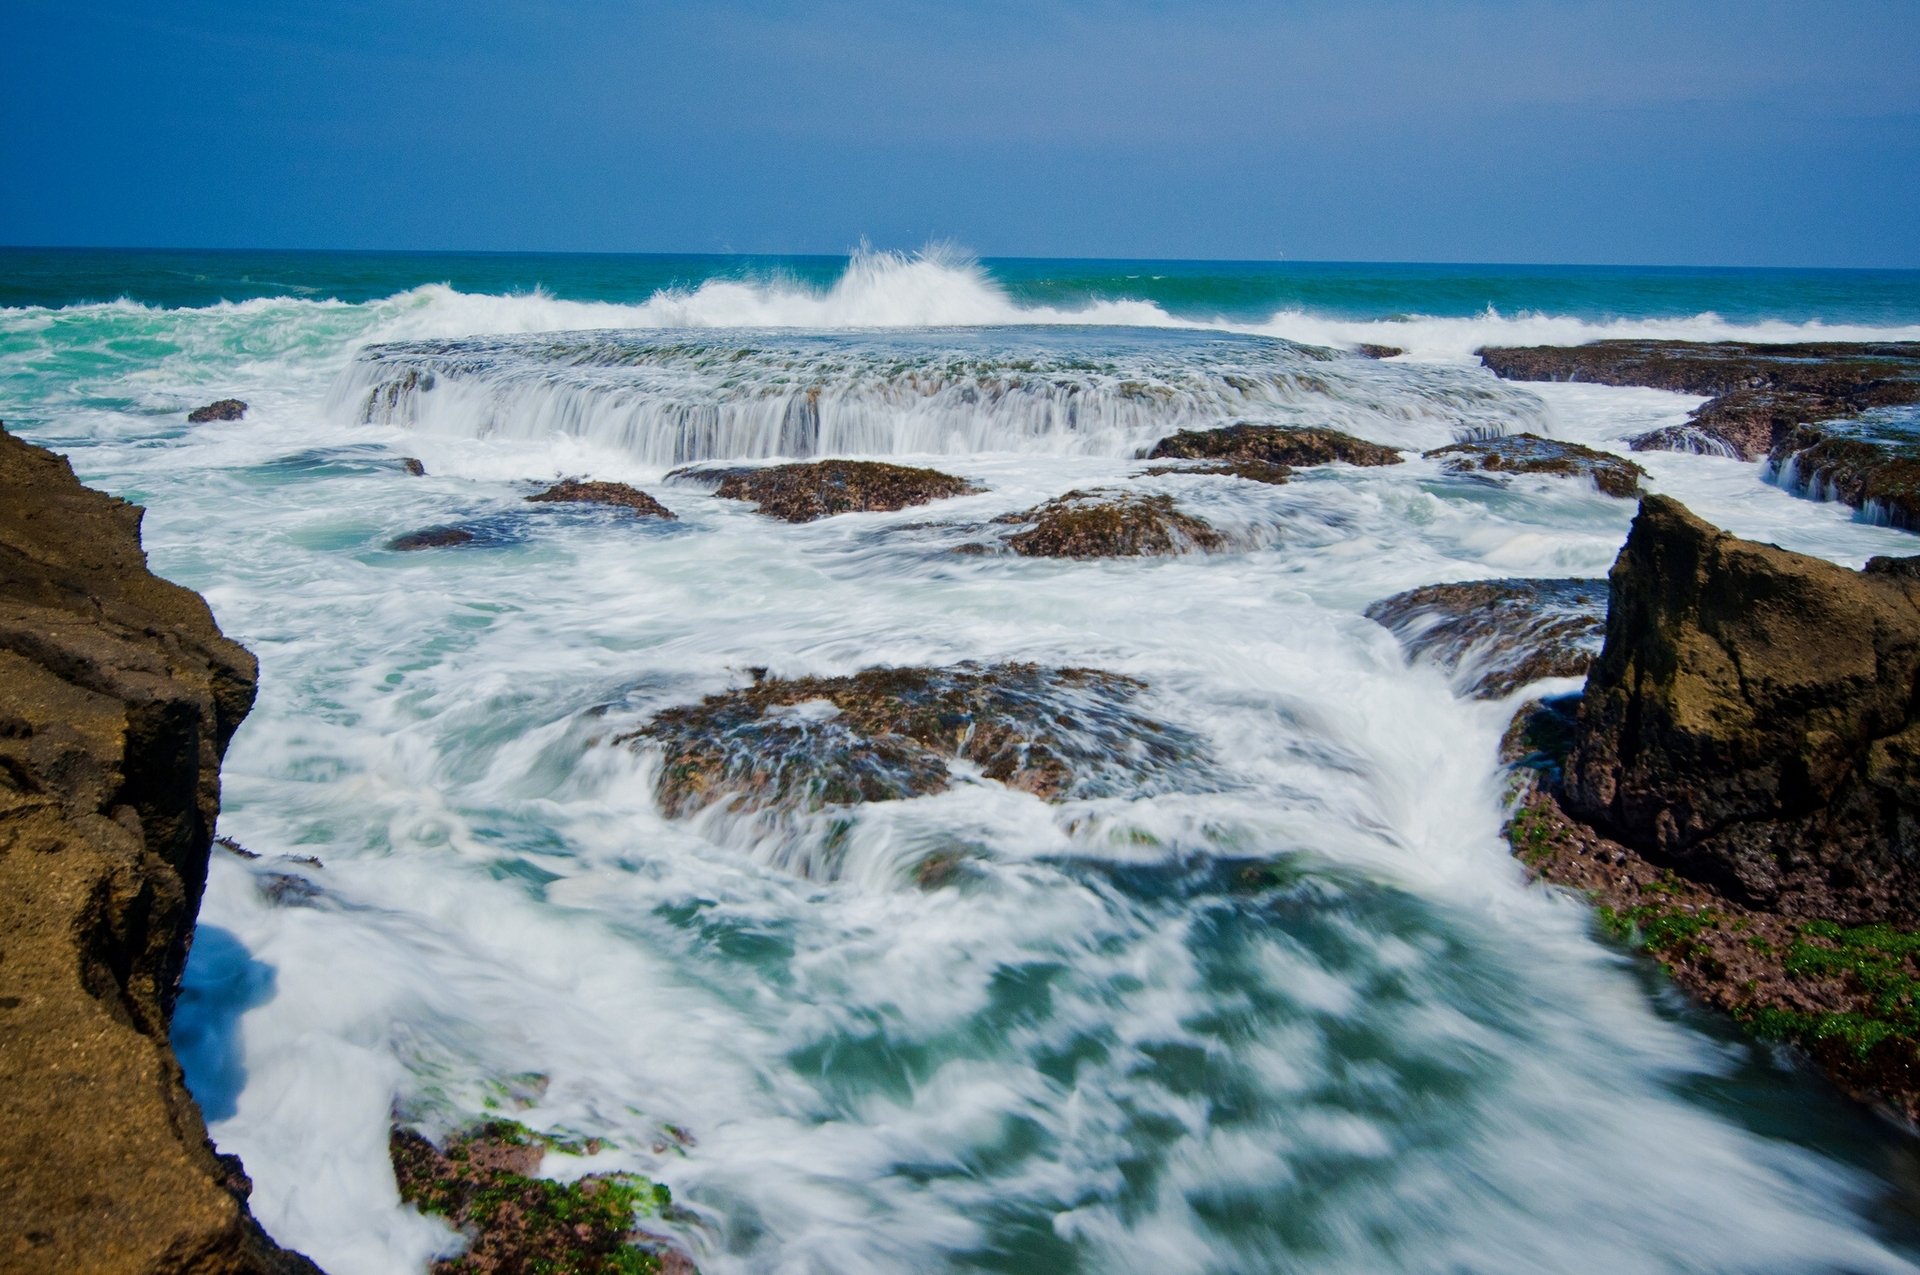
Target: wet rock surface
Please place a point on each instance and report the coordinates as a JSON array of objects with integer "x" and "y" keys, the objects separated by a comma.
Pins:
[
  {"x": 887, "y": 734},
  {"x": 1109, "y": 523},
  {"x": 575, "y": 491},
  {"x": 1531, "y": 454},
  {"x": 1758, "y": 391},
  {"x": 485, "y": 1182},
  {"x": 1828, "y": 462},
  {"x": 413, "y": 466},
  {"x": 1752, "y": 722},
  {"x": 432, "y": 538},
  {"x": 1495, "y": 636},
  {"x": 1272, "y": 445},
  {"x": 226, "y": 409},
  {"x": 807, "y": 491},
  {"x": 117, "y": 698},
  {"x": 1368, "y": 350},
  {"x": 1256, "y": 471}
]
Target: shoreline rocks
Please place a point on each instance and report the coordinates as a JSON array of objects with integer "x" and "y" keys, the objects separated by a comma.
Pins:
[
  {"x": 1499, "y": 635},
  {"x": 1273, "y": 445},
  {"x": 576, "y": 491},
  {"x": 1109, "y": 523},
  {"x": 226, "y": 409},
  {"x": 1531, "y": 454},
  {"x": 432, "y": 538},
  {"x": 808, "y": 491},
  {"x": 118, "y": 695}
]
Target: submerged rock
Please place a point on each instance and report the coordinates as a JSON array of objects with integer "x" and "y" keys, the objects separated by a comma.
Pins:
[
  {"x": 118, "y": 695},
  {"x": 1499, "y": 635},
  {"x": 1882, "y": 478},
  {"x": 1106, "y": 523},
  {"x": 619, "y": 495},
  {"x": 1256, "y": 471},
  {"x": 887, "y": 734},
  {"x": 484, "y": 1182},
  {"x": 1752, "y": 721},
  {"x": 413, "y": 466},
  {"x": 1759, "y": 391},
  {"x": 432, "y": 538},
  {"x": 1531, "y": 454},
  {"x": 226, "y": 409},
  {"x": 820, "y": 489},
  {"x": 1368, "y": 350},
  {"x": 1273, "y": 445}
]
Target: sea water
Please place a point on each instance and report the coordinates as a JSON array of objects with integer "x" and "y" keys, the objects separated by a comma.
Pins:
[{"x": 1291, "y": 1007}]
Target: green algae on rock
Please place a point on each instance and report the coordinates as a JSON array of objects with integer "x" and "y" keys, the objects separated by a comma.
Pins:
[
  {"x": 804, "y": 492},
  {"x": 887, "y": 734},
  {"x": 1273, "y": 445},
  {"x": 1109, "y": 523},
  {"x": 485, "y": 1182},
  {"x": 1532, "y": 454}
]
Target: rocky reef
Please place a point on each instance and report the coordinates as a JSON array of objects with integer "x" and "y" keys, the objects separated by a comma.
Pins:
[
  {"x": 1496, "y": 636},
  {"x": 820, "y": 489},
  {"x": 1881, "y": 476},
  {"x": 1531, "y": 454},
  {"x": 891, "y": 733},
  {"x": 1759, "y": 392},
  {"x": 226, "y": 409},
  {"x": 1272, "y": 445},
  {"x": 576, "y": 491},
  {"x": 1107, "y": 523},
  {"x": 117, "y": 698},
  {"x": 1739, "y": 789},
  {"x": 432, "y": 538}
]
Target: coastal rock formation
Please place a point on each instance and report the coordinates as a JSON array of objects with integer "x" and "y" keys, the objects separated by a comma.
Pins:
[
  {"x": 1759, "y": 391},
  {"x": 619, "y": 495},
  {"x": 1109, "y": 524},
  {"x": 1880, "y": 477},
  {"x": 821, "y": 489},
  {"x": 432, "y": 538},
  {"x": 887, "y": 734},
  {"x": 1272, "y": 445},
  {"x": 1752, "y": 721},
  {"x": 1531, "y": 454},
  {"x": 226, "y": 409},
  {"x": 1255, "y": 471},
  {"x": 117, "y": 698},
  {"x": 1495, "y": 636},
  {"x": 1368, "y": 350}
]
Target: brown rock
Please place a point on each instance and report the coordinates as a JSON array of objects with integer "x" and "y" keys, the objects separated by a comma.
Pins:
[
  {"x": 1531, "y": 454},
  {"x": 1368, "y": 350},
  {"x": 1254, "y": 471},
  {"x": 820, "y": 489},
  {"x": 1109, "y": 524},
  {"x": 619, "y": 495},
  {"x": 1752, "y": 721},
  {"x": 117, "y": 698},
  {"x": 431, "y": 538},
  {"x": 226, "y": 409},
  {"x": 1273, "y": 445},
  {"x": 1861, "y": 472},
  {"x": 1500, "y": 635}
]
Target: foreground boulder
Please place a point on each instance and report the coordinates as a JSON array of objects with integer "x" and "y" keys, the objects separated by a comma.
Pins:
[
  {"x": 575, "y": 491},
  {"x": 1105, "y": 523},
  {"x": 1272, "y": 445},
  {"x": 887, "y": 734},
  {"x": 1495, "y": 636},
  {"x": 117, "y": 698},
  {"x": 486, "y": 1183},
  {"x": 1752, "y": 720},
  {"x": 226, "y": 409},
  {"x": 1531, "y": 454},
  {"x": 1758, "y": 391},
  {"x": 821, "y": 489}
]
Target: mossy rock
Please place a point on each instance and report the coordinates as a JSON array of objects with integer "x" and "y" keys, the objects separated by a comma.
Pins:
[
  {"x": 1254, "y": 471},
  {"x": 1106, "y": 523},
  {"x": 1531, "y": 454},
  {"x": 618, "y": 495},
  {"x": 820, "y": 489},
  {"x": 1273, "y": 445}
]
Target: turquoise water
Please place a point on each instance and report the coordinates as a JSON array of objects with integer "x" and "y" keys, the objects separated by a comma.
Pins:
[{"x": 1291, "y": 1006}]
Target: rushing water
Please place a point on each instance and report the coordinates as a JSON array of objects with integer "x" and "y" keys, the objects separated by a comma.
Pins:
[{"x": 1291, "y": 1006}]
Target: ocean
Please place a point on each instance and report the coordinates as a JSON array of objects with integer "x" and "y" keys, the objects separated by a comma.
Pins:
[{"x": 1293, "y": 1006}]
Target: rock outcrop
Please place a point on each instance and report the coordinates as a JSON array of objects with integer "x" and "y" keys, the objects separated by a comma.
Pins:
[
  {"x": 1753, "y": 721},
  {"x": 226, "y": 409},
  {"x": 1495, "y": 636},
  {"x": 432, "y": 538},
  {"x": 1531, "y": 454},
  {"x": 1272, "y": 445},
  {"x": 575, "y": 491},
  {"x": 1106, "y": 523},
  {"x": 117, "y": 698},
  {"x": 806, "y": 491},
  {"x": 1879, "y": 476}
]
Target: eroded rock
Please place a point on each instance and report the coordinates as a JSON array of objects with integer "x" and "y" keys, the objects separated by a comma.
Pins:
[
  {"x": 1273, "y": 445},
  {"x": 1256, "y": 471},
  {"x": 226, "y": 409},
  {"x": 1531, "y": 454},
  {"x": 1109, "y": 523},
  {"x": 888, "y": 734},
  {"x": 820, "y": 489},
  {"x": 576, "y": 491},
  {"x": 1882, "y": 477},
  {"x": 1495, "y": 636}
]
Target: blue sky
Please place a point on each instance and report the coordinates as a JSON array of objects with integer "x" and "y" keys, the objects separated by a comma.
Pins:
[{"x": 1758, "y": 132}]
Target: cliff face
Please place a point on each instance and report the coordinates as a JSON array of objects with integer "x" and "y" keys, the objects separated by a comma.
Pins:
[
  {"x": 1753, "y": 719},
  {"x": 117, "y": 698}
]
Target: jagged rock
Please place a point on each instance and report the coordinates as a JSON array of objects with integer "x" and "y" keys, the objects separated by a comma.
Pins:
[
  {"x": 887, "y": 734},
  {"x": 117, "y": 698},
  {"x": 1105, "y": 523},
  {"x": 1906, "y": 568},
  {"x": 1760, "y": 391},
  {"x": 432, "y": 538},
  {"x": 485, "y": 1182},
  {"x": 413, "y": 466},
  {"x": 1256, "y": 471},
  {"x": 1531, "y": 454},
  {"x": 1368, "y": 350},
  {"x": 619, "y": 495},
  {"x": 820, "y": 489},
  {"x": 1751, "y": 721},
  {"x": 1880, "y": 476},
  {"x": 1496, "y": 636},
  {"x": 226, "y": 409},
  {"x": 1273, "y": 445}
]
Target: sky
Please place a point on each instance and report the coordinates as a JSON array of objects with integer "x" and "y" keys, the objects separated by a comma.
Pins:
[{"x": 1756, "y": 132}]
